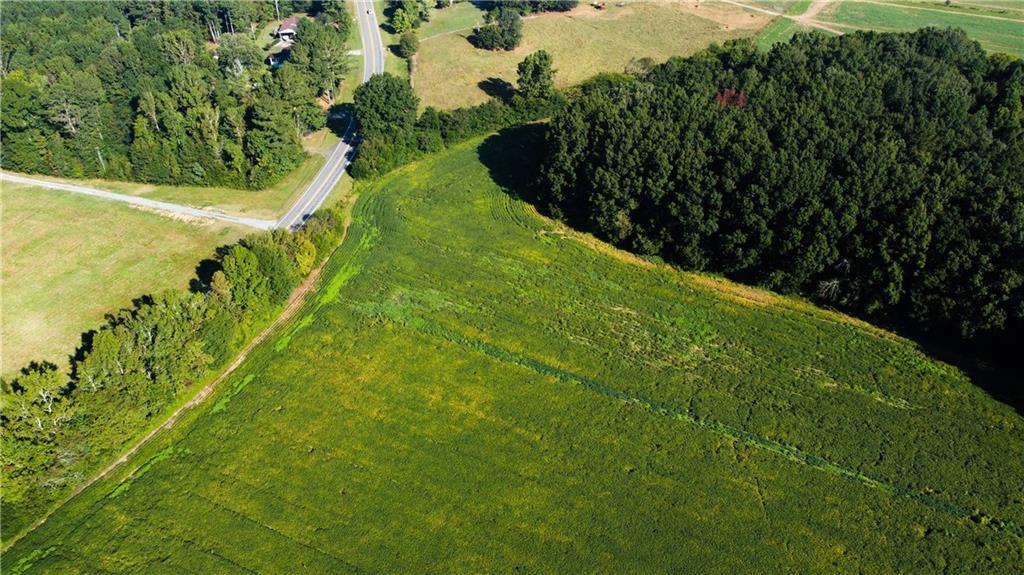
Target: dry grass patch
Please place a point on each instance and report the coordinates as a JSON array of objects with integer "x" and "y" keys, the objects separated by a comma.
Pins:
[
  {"x": 69, "y": 259},
  {"x": 583, "y": 42}
]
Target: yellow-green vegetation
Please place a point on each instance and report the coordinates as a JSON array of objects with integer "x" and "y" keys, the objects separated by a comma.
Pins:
[
  {"x": 475, "y": 388},
  {"x": 449, "y": 70},
  {"x": 997, "y": 25},
  {"x": 460, "y": 17},
  {"x": 69, "y": 259}
]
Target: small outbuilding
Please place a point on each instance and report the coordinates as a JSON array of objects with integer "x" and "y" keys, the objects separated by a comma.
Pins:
[{"x": 288, "y": 29}]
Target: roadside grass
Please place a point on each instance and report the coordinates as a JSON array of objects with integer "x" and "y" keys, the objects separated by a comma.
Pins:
[
  {"x": 355, "y": 74},
  {"x": 451, "y": 73},
  {"x": 476, "y": 388},
  {"x": 269, "y": 203},
  {"x": 393, "y": 64},
  {"x": 999, "y": 27},
  {"x": 69, "y": 259}
]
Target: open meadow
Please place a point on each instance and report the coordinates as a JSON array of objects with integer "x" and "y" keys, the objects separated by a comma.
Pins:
[
  {"x": 450, "y": 72},
  {"x": 69, "y": 259},
  {"x": 997, "y": 25},
  {"x": 475, "y": 388}
]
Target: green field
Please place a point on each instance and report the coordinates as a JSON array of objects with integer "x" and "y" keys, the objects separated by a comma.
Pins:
[
  {"x": 269, "y": 204},
  {"x": 583, "y": 42},
  {"x": 782, "y": 29},
  {"x": 998, "y": 26},
  {"x": 393, "y": 64},
  {"x": 475, "y": 388},
  {"x": 69, "y": 259}
]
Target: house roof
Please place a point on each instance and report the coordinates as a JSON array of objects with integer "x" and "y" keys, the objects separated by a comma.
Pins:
[{"x": 289, "y": 23}]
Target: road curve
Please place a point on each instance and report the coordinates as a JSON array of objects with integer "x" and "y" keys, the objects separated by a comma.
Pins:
[
  {"x": 341, "y": 154},
  {"x": 337, "y": 159}
]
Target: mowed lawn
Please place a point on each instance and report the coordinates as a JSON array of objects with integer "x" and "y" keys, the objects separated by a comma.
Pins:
[
  {"x": 997, "y": 25},
  {"x": 476, "y": 389},
  {"x": 449, "y": 70},
  {"x": 69, "y": 259}
]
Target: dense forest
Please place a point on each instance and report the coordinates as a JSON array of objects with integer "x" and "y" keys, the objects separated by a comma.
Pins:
[
  {"x": 164, "y": 92},
  {"x": 881, "y": 173},
  {"x": 56, "y": 427}
]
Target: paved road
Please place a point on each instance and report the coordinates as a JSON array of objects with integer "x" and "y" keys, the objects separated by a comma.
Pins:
[
  {"x": 317, "y": 191},
  {"x": 341, "y": 154}
]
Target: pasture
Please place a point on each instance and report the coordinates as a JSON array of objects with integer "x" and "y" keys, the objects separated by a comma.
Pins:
[
  {"x": 475, "y": 388},
  {"x": 450, "y": 72},
  {"x": 997, "y": 25},
  {"x": 69, "y": 259}
]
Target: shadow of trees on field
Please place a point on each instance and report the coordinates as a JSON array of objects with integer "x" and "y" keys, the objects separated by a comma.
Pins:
[
  {"x": 512, "y": 157},
  {"x": 497, "y": 88},
  {"x": 991, "y": 362}
]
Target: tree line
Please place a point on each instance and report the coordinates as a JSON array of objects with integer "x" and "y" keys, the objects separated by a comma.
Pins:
[
  {"x": 56, "y": 426},
  {"x": 881, "y": 173},
  {"x": 393, "y": 134},
  {"x": 164, "y": 92}
]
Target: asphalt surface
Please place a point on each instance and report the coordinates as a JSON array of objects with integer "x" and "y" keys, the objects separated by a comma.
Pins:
[
  {"x": 338, "y": 158},
  {"x": 341, "y": 154}
]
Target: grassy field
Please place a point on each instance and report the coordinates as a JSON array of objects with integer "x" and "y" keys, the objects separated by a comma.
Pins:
[
  {"x": 782, "y": 29},
  {"x": 449, "y": 71},
  {"x": 998, "y": 26},
  {"x": 393, "y": 64},
  {"x": 475, "y": 388},
  {"x": 68, "y": 259},
  {"x": 269, "y": 203}
]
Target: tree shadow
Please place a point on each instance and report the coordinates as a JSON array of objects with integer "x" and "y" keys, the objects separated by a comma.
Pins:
[
  {"x": 338, "y": 118},
  {"x": 204, "y": 276},
  {"x": 497, "y": 88},
  {"x": 512, "y": 157},
  {"x": 991, "y": 362}
]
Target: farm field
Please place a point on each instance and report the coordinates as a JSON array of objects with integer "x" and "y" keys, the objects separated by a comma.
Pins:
[
  {"x": 449, "y": 70},
  {"x": 69, "y": 259},
  {"x": 476, "y": 388},
  {"x": 998, "y": 26}
]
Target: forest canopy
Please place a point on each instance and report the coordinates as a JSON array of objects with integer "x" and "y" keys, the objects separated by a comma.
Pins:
[
  {"x": 882, "y": 173},
  {"x": 163, "y": 92}
]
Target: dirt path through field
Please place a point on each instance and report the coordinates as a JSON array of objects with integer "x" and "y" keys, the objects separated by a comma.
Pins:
[
  {"x": 295, "y": 301},
  {"x": 809, "y": 17},
  {"x": 805, "y": 19}
]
